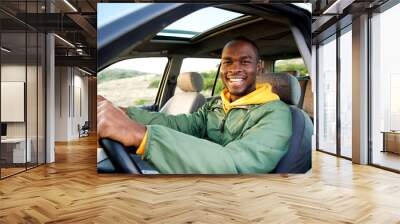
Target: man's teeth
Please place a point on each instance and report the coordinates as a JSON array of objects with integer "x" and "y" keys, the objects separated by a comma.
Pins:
[{"x": 236, "y": 80}]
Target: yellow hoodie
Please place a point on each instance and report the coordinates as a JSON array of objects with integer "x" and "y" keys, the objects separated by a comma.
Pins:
[{"x": 262, "y": 94}]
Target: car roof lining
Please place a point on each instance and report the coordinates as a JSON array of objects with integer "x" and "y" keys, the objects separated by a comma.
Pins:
[{"x": 276, "y": 40}]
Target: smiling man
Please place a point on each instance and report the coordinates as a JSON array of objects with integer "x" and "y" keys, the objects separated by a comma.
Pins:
[
  {"x": 240, "y": 64},
  {"x": 246, "y": 130}
]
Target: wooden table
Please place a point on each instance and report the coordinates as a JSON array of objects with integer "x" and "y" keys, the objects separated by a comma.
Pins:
[
  {"x": 391, "y": 141},
  {"x": 14, "y": 150}
]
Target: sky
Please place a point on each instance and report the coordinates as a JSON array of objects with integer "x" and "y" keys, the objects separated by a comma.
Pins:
[{"x": 204, "y": 19}]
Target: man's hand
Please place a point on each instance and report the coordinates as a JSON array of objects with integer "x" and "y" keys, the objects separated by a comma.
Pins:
[
  {"x": 113, "y": 123},
  {"x": 101, "y": 98}
]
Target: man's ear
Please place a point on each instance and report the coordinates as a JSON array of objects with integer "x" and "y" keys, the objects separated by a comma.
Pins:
[{"x": 259, "y": 67}]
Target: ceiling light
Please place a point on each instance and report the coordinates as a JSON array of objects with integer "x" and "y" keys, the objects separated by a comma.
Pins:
[
  {"x": 5, "y": 50},
  {"x": 337, "y": 7},
  {"x": 331, "y": 8},
  {"x": 80, "y": 51},
  {"x": 64, "y": 40},
  {"x": 70, "y": 5},
  {"x": 86, "y": 72}
]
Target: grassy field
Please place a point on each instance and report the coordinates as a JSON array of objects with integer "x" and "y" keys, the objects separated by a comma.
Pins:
[
  {"x": 291, "y": 65},
  {"x": 129, "y": 91},
  {"x": 134, "y": 88},
  {"x": 117, "y": 73}
]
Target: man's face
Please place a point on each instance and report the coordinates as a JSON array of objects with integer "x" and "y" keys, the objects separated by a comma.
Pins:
[{"x": 239, "y": 66}]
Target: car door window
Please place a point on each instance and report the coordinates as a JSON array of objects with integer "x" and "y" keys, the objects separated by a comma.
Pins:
[
  {"x": 293, "y": 66},
  {"x": 132, "y": 82},
  {"x": 207, "y": 67}
]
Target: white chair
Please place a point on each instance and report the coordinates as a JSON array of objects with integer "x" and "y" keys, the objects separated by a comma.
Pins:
[{"x": 189, "y": 99}]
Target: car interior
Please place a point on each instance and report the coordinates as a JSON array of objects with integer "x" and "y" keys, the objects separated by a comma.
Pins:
[
  {"x": 189, "y": 99},
  {"x": 273, "y": 28}
]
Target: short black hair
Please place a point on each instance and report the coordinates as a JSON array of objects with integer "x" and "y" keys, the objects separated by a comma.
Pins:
[{"x": 245, "y": 39}]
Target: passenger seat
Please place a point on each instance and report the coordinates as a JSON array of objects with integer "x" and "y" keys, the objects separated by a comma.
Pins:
[
  {"x": 298, "y": 157},
  {"x": 189, "y": 99},
  {"x": 306, "y": 99}
]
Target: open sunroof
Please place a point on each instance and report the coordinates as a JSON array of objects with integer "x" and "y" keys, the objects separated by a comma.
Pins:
[{"x": 198, "y": 22}]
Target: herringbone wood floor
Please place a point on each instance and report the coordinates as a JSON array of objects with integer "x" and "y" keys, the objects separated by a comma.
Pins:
[{"x": 71, "y": 191}]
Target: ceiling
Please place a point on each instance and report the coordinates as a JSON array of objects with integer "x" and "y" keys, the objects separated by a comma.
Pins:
[{"x": 74, "y": 22}]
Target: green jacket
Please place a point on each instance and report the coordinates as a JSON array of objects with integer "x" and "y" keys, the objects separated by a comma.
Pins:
[{"x": 248, "y": 139}]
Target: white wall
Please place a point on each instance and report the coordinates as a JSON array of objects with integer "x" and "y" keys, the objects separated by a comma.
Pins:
[
  {"x": 61, "y": 103},
  {"x": 33, "y": 126},
  {"x": 71, "y": 94},
  {"x": 80, "y": 110},
  {"x": 12, "y": 73}
]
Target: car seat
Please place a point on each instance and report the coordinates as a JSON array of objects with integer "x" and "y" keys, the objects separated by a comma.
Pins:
[
  {"x": 298, "y": 157},
  {"x": 189, "y": 99},
  {"x": 308, "y": 102}
]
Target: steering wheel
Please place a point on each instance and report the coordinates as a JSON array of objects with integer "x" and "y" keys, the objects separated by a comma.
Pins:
[{"x": 119, "y": 157}]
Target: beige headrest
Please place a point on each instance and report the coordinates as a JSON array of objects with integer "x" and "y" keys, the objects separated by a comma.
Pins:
[
  {"x": 190, "y": 82},
  {"x": 286, "y": 86}
]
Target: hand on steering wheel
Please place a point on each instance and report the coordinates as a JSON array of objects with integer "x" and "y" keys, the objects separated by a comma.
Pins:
[
  {"x": 113, "y": 123},
  {"x": 119, "y": 157}
]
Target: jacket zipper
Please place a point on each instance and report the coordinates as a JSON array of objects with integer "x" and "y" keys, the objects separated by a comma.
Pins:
[{"x": 222, "y": 125}]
